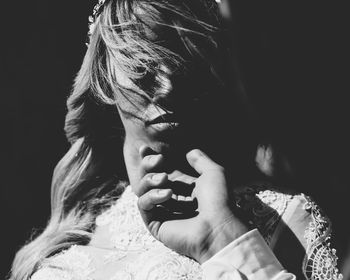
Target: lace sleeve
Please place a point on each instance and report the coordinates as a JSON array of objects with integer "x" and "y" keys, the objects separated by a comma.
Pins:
[
  {"x": 50, "y": 273},
  {"x": 71, "y": 264},
  {"x": 320, "y": 261}
]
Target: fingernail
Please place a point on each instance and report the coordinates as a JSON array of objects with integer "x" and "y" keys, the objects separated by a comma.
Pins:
[
  {"x": 158, "y": 177},
  {"x": 153, "y": 160},
  {"x": 163, "y": 192},
  {"x": 199, "y": 153}
]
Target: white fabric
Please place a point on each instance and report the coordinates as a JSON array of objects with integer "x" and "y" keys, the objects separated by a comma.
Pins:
[
  {"x": 248, "y": 257},
  {"x": 122, "y": 247}
]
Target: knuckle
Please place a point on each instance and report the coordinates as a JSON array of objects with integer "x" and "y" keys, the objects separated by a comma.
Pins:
[
  {"x": 153, "y": 194},
  {"x": 154, "y": 159},
  {"x": 151, "y": 162},
  {"x": 140, "y": 203},
  {"x": 146, "y": 161},
  {"x": 149, "y": 178},
  {"x": 216, "y": 168},
  {"x": 145, "y": 202},
  {"x": 145, "y": 184}
]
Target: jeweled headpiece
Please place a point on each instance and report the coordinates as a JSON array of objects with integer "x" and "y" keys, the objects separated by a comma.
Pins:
[
  {"x": 96, "y": 12},
  {"x": 93, "y": 18}
]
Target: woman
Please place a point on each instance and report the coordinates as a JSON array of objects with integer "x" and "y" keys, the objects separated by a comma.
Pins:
[{"x": 153, "y": 106}]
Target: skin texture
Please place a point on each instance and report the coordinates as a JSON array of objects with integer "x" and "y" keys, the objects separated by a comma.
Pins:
[
  {"x": 184, "y": 197},
  {"x": 200, "y": 233}
]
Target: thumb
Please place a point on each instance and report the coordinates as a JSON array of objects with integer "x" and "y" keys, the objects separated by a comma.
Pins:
[{"x": 200, "y": 161}]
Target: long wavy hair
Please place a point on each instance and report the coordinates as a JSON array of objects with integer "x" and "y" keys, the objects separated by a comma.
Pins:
[{"x": 92, "y": 175}]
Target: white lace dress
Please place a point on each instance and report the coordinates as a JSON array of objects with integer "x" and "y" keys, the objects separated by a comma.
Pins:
[{"x": 122, "y": 249}]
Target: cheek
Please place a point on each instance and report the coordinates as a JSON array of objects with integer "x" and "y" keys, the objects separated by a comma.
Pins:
[
  {"x": 132, "y": 125},
  {"x": 135, "y": 137},
  {"x": 135, "y": 133}
]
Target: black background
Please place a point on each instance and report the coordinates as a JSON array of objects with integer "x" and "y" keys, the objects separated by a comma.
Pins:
[{"x": 294, "y": 61}]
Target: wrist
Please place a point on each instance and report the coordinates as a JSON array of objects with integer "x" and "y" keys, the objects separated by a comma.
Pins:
[{"x": 219, "y": 237}]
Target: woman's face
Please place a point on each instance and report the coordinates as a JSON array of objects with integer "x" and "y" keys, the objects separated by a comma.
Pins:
[
  {"x": 180, "y": 116},
  {"x": 167, "y": 124}
]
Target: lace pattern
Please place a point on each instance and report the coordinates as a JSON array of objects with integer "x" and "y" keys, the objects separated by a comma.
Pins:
[
  {"x": 71, "y": 264},
  {"x": 129, "y": 234},
  {"x": 265, "y": 209},
  {"x": 137, "y": 255},
  {"x": 127, "y": 230},
  {"x": 125, "y": 274},
  {"x": 320, "y": 261},
  {"x": 52, "y": 274},
  {"x": 170, "y": 265}
]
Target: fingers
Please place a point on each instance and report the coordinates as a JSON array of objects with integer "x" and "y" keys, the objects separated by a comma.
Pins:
[
  {"x": 181, "y": 189},
  {"x": 180, "y": 197},
  {"x": 179, "y": 176},
  {"x": 179, "y": 204},
  {"x": 180, "y": 185},
  {"x": 151, "y": 181},
  {"x": 154, "y": 197},
  {"x": 201, "y": 162},
  {"x": 150, "y": 162}
]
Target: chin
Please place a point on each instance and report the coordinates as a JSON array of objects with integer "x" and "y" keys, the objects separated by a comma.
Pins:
[{"x": 161, "y": 147}]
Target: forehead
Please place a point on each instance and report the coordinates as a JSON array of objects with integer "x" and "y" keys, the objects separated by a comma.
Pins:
[
  {"x": 152, "y": 25},
  {"x": 163, "y": 28},
  {"x": 167, "y": 49}
]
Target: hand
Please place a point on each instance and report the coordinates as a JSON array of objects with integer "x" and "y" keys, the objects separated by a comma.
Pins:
[{"x": 214, "y": 224}]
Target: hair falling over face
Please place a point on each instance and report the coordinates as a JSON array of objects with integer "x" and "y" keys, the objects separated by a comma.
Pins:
[{"x": 133, "y": 37}]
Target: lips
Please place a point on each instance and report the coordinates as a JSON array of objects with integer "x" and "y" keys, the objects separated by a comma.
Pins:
[
  {"x": 164, "y": 118},
  {"x": 163, "y": 122}
]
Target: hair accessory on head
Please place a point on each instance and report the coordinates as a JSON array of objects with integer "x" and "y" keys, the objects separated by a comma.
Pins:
[
  {"x": 95, "y": 13},
  {"x": 92, "y": 19}
]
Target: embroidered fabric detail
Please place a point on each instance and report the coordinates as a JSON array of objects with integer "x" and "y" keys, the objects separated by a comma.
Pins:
[
  {"x": 320, "y": 262},
  {"x": 137, "y": 255},
  {"x": 47, "y": 273},
  {"x": 114, "y": 256},
  {"x": 160, "y": 265},
  {"x": 169, "y": 265},
  {"x": 127, "y": 273},
  {"x": 264, "y": 208},
  {"x": 70, "y": 264},
  {"x": 126, "y": 226},
  {"x": 274, "y": 206},
  {"x": 151, "y": 260}
]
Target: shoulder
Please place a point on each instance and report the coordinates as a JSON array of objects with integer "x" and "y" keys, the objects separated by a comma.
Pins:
[
  {"x": 296, "y": 228},
  {"x": 312, "y": 227},
  {"x": 273, "y": 211},
  {"x": 320, "y": 257},
  {"x": 51, "y": 273},
  {"x": 71, "y": 264},
  {"x": 264, "y": 208}
]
